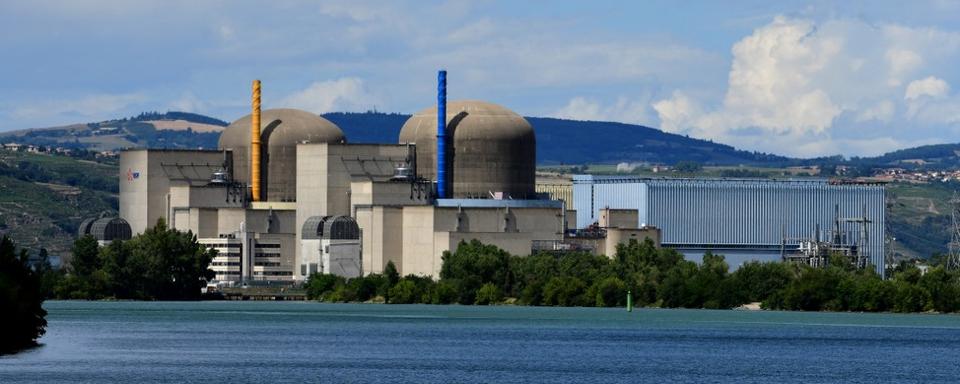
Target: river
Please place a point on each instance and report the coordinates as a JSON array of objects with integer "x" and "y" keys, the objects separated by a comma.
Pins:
[{"x": 275, "y": 342}]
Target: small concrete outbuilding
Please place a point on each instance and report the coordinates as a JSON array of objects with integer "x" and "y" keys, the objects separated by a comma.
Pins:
[
  {"x": 330, "y": 245},
  {"x": 106, "y": 229}
]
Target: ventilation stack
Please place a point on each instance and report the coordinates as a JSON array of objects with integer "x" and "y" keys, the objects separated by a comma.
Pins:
[
  {"x": 442, "y": 134},
  {"x": 255, "y": 143}
]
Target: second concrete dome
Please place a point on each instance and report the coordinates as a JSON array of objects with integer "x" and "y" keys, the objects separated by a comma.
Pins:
[
  {"x": 280, "y": 132},
  {"x": 489, "y": 149}
]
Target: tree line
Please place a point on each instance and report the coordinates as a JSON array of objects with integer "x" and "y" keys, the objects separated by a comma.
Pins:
[
  {"x": 657, "y": 277},
  {"x": 159, "y": 264}
]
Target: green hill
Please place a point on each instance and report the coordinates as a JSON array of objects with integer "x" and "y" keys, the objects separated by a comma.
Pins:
[{"x": 45, "y": 197}]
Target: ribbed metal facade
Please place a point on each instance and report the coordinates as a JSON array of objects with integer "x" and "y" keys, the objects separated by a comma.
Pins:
[{"x": 742, "y": 214}]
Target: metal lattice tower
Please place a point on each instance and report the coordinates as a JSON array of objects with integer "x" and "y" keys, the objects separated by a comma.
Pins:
[{"x": 954, "y": 258}]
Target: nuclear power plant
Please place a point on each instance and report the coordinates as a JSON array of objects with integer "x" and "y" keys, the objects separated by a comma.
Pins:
[{"x": 286, "y": 195}]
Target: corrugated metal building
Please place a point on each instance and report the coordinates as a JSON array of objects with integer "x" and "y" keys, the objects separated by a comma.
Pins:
[{"x": 744, "y": 219}]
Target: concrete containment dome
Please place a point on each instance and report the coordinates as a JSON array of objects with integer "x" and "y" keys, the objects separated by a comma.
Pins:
[
  {"x": 490, "y": 149},
  {"x": 281, "y": 130}
]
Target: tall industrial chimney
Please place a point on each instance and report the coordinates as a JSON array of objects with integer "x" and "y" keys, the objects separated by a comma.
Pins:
[
  {"x": 255, "y": 143},
  {"x": 442, "y": 134}
]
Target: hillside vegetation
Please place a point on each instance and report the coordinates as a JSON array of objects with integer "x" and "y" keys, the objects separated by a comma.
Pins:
[
  {"x": 918, "y": 218},
  {"x": 45, "y": 197},
  {"x": 141, "y": 131}
]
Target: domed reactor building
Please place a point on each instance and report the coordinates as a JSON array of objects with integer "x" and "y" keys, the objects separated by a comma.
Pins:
[{"x": 286, "y": 195}]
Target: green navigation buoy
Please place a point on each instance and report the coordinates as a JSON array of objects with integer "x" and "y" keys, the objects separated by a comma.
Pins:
[{"x": 629, "y": 301}]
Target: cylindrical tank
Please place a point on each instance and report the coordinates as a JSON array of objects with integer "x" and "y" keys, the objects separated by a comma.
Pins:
[
  {"x": 281, "y": 130},
  {"x": 490, "y": 149}
]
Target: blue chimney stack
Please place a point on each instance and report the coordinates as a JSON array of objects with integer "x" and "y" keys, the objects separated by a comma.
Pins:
[{"x": 442, "y": 134}]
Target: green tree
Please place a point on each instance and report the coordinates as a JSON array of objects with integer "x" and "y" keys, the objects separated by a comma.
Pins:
[
  {"x": 610, "y": 292},
  {"x": 49, "y": 277},
  {"x": 390, "y": 271},
  {"x": 405, "y": 292},
  {"x": 21, "y": 300},
  {"x": 392, "y": 277},
  {"x": 944, "y": 293},
  {"x": 675, "y": 291},
  {"x": 565, "y": 291},
  {"x": 474, "y": 264},
  {"x": 366, "y": 287},
  {"x": 489, "y": 294},
  {"x": 85, "y": 256},
  {"x": 445, "y": 292},
  {"x": 318, "y": 285},
  {"x": 173, "y": 264},
  {"x": 756, "y": 281}
]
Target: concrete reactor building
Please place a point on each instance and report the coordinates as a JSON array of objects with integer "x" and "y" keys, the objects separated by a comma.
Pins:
[{"x": 285, "y": 195}]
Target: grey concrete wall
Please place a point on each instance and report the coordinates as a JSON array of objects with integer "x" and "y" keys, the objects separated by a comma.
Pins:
[
  {"x": 146, "y": 176},
  {"x": 619, "y": 218},
  {"x": 429, "y": 231},
  {"x": 617, "y": 236},
  {"x": 382, "y": 237}
]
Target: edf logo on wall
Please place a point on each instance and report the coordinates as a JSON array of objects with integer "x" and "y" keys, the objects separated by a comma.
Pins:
[{"x": 131, "y": 175}]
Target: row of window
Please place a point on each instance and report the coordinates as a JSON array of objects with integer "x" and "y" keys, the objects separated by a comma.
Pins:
[
  {"x": 266, "y": 264},
  {"x": 273, "y": 273},
  {"x": 225, "y": 264}
]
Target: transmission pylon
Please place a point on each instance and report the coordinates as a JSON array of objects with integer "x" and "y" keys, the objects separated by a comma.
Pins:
[{"x": 953, "y": 261}]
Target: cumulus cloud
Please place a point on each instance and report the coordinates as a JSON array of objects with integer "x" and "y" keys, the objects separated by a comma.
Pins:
[
  {"x": 804, "y": 88},
  {"x": 882, "y": 111},
  {"x": 930, "y": 86},
  {"x": 901, "y": 61},
  {"x": 678, "y": 113},
  {"x": 188, "y": 102},
  {"x": 623, "y": 110},
  {"x": 343, "y": 94},
  {"x": 86, "y": 106}
]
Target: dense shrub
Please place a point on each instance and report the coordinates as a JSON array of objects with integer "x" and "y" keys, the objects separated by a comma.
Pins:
[{"x": 21, "y": 300}]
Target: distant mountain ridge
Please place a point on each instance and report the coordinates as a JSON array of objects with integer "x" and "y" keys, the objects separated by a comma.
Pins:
[
  {"x": 578, "y": 142},
  {"x": 559, "y": 141}
]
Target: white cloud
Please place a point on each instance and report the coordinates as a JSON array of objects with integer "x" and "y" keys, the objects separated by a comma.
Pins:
[
  {"x": 188, "y": 102},
  {"x": 882, "y": 111},
  {"x": 344, "y": 94},
  {"x": 930, "y": 86},
  {"x": 677, "y": 113},
  {"x": 98, "y": 105},
  {"x": 902, "y": 62},
  {"x": 623, "y": 110},
  {"x": 803, "y": 88}
]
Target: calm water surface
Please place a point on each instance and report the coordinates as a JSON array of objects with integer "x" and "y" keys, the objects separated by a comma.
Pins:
[{"x": 267, "y": 342}]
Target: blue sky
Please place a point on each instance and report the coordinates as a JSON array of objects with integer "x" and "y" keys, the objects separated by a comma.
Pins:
[{"x": 800, "y": 78}]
